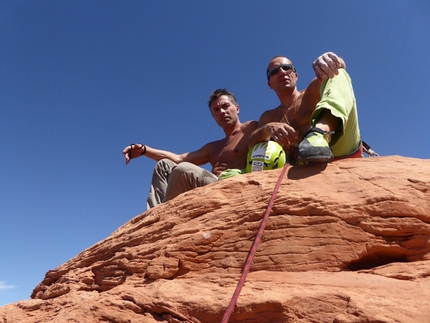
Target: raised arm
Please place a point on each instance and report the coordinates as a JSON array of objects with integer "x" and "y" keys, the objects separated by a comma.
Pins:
[{"x": 327, "y": 65}]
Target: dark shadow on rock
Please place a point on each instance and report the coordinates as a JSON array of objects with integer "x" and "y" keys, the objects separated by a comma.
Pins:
[{"x": 303, "y": 171}]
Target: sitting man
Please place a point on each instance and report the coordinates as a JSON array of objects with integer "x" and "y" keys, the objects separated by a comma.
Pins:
[
  {"x": 175, "y": 174},
  {"x": 316, "y": 124}
]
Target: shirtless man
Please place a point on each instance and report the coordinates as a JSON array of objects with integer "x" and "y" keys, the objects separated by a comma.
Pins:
[
  {"x": 175, "y": 174},
  {"x": 317, "y": 123}
]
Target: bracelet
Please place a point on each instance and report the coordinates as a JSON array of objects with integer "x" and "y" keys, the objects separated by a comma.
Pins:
[
  {"x": 144, "y": 150},
  {"x": 131, "y": 148}
]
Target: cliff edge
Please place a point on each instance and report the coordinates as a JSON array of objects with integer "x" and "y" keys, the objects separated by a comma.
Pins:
[{"x": 347, "y": 242}]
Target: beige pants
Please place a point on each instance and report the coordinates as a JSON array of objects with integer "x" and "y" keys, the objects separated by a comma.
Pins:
[{"x": 170, "y": 179}]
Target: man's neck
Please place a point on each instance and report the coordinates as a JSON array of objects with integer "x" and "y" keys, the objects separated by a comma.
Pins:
[
  {"x": 233, "y": 129},
  {"x": 287, "y": 98}
]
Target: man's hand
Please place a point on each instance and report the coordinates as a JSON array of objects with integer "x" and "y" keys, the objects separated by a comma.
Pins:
[
  {"x": 133, "y": 151},
  {"x": 327, "y": 65},
  {"x": 283, "y": 133},
  {"x": 219, "y": 168}
]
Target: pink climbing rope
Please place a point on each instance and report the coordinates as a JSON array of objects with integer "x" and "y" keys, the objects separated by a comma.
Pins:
[{"x": 253, "y": 249}]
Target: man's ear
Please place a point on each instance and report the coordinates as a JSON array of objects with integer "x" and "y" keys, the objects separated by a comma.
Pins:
[
  {"x": 237, "y": 109},
  {"x": 268, "y": 83}
]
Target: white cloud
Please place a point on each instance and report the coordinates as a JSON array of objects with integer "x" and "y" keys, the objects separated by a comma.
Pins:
[{"x": 4, "y": 286}]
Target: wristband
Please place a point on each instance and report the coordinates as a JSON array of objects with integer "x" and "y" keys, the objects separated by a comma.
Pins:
[
  {"x": 144, "y": 150},
  {"x": 131, "y": 148}
]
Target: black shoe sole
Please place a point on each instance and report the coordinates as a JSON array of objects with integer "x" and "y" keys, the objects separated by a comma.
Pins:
[{"x": 317, "y": 159}]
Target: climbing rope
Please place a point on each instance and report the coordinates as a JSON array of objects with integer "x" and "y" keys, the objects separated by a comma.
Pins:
[{"x": 253, "y": 249}]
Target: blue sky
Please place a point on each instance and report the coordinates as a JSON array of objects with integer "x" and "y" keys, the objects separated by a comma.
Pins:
[{"x": 80, "y": 80}]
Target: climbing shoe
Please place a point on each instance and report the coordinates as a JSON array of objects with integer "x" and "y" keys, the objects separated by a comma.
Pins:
[{"x": 314, "y": 147}]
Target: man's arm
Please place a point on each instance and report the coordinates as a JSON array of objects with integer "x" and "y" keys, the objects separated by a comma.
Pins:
[
  {"x": 198, "y": 157},
  {"x": 282, "y": 133},
  {"x": 262, "y": 133},
  {"x": 327, "y": 65}
]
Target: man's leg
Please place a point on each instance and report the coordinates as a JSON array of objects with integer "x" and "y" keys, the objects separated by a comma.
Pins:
[
  {"x": 160, "y": 177},
  {"x": 185, "y": 177},
  {"x": 335, "y": 120}
]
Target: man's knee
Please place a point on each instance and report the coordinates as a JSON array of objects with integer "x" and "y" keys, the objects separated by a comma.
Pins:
[
  {"x": 164, "y": 167},
  {"x": 186, "y": 176},
  {"x": 180, "y": 170},
  {"x": 165, "y": 164}
]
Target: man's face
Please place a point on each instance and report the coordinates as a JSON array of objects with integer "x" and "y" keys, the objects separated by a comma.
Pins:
[
  {"x": 281, "y": 78},
  {"x": 224, "y": 111}
]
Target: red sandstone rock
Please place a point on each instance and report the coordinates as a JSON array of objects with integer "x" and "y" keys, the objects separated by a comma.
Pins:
[{"x": 347, "y": 242}]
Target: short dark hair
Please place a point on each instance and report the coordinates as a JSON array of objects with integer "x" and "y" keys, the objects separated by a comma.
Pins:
[{"x": 219, "y": 92}]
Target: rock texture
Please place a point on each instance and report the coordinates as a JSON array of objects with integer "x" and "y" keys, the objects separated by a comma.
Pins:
[{"x": 347, "y": 242}]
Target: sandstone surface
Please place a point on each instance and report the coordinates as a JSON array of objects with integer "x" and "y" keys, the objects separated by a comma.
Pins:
[{"x": 347, "y": 242}]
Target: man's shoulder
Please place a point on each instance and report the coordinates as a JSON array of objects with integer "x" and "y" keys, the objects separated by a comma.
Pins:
[
  {"x": 212, "y": 144},
  {"x": 269, "y": 115},
  {"x": 250, "y": 124},
  {"x": 270, "y": 112}
]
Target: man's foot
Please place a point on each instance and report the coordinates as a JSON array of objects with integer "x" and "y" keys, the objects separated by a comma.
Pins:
[{"x": 314, "y": 147}]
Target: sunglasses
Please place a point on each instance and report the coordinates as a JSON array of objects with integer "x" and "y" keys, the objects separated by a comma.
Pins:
[{"x": 285, "y": 68}]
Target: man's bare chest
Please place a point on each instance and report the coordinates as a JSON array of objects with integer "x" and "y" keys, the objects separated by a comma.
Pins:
[{"x": 298, "y": 114}]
